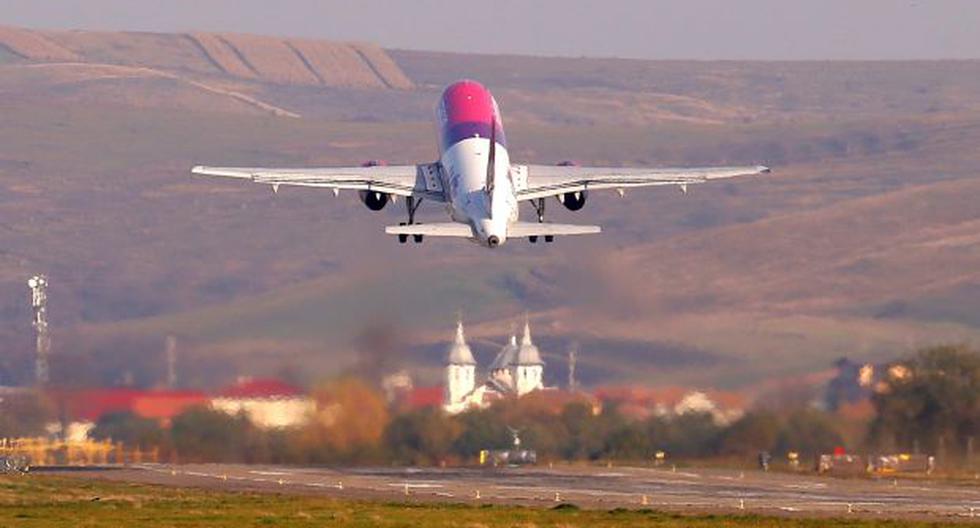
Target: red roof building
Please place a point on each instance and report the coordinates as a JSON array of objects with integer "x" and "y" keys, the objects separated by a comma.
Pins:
[
  {"x": 422, "y": 397},
  {"x": 165, "y": 405},
  {"x": 260, "y": 388},
  {"x": 88, "y": 405}
]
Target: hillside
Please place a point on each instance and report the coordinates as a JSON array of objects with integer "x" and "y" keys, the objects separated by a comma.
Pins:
[
  {"x": 863, "y": 242},
  {"x": 250, "y": 57}
]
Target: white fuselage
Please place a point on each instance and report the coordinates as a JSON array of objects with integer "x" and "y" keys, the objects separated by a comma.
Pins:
[{"x": 465, "y": 172}]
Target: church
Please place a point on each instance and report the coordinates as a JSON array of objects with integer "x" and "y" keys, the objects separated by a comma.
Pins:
[{"x": 517, "y": 370}]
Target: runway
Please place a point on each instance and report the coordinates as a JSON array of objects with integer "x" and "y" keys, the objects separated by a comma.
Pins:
[{"x": 687, "y": 490}]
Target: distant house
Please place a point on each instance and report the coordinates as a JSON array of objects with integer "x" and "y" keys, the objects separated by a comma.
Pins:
[
  {"x": 644, "y": 402},
  {"x": 268, "y": 403}
]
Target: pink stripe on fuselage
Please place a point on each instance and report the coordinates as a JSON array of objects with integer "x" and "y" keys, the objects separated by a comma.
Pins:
[{"x": 467, "y": 110}]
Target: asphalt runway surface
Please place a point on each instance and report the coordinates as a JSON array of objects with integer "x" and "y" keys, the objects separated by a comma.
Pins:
[{"x": 682, "y": 490}]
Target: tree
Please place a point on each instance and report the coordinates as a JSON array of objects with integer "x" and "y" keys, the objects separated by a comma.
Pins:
[
  {"x": 692, "y": 434},
  {"x": 131, "y": 430},
  {"x": 421, "y": 437},
  {"x": 809, "y": 432},
  {"x": 349, "y": 423},
  {"x": 629, "y": 441},
  {"x": 583, "y": 436},
  {"x": 203, "y": 434},
  {"x": 479, "y": 430},
  {"x": 931, "y": 400},
  {"x": 754, "y": 432}
]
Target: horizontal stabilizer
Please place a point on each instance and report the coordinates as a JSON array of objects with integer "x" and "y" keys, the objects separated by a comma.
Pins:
[
  {"x": 447, "y": 229},
  {"x": 526, "y": 229}
]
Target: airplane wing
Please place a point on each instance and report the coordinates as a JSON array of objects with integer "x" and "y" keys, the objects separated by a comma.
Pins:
[
  {"x": 402, "y": 180},
  {"x": 541, "y": 181}
]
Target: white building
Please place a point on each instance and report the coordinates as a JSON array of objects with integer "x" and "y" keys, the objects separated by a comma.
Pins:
[
  {"x": 268, "y": 403},
  {"x": 517, "y": 370}
]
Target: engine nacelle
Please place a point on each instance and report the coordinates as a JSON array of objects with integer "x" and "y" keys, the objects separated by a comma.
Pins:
[
  {"x": 374, "y": 200},
  {"x": 573, "y": 201}
]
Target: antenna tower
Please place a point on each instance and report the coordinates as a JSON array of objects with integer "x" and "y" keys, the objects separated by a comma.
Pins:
[{"x": 39, "y": 301}]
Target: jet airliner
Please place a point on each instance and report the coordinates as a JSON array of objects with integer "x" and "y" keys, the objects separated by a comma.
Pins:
[{"x": 475, "y": 179}]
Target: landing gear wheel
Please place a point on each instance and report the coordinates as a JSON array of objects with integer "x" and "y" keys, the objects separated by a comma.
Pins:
[
  {"x": 402, "y": 238},
  {"x": 417, "y": 239},
  {"x": 533, "y": 239},
  {"x": 549, "y": 238}
]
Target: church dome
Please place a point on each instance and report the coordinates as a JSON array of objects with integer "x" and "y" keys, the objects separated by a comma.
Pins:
[
  {"x": 459, "y": 352},
  {"x": 506, "y": 355},
  {"x": 528, "y": 353}
]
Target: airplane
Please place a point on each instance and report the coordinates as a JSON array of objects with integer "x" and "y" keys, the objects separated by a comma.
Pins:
[{"x": 475, "y": 179}]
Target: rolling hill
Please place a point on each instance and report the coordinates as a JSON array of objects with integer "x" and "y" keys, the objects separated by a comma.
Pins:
[{"x": 863, "y": 242}]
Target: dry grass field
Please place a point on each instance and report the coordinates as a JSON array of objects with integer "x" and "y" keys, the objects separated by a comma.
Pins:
[{"x": 50, "y": 501}]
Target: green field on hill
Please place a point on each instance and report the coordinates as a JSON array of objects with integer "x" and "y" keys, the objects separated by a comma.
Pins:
[{"x": 40, "y": 501}]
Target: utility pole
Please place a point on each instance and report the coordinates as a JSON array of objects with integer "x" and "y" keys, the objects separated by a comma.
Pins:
[
  {"x": 572, "y": 358},
  {"x": 171, "y": 348},
  {"x": 39, "y": 301}
]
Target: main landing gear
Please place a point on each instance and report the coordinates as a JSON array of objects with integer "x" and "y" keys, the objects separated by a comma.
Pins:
[
  {"x": 411, "y": 205},
  {"x": 539, "y": 208}
]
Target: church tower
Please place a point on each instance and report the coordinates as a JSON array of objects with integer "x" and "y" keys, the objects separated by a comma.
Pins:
[
  {"x": 528, "y": 369},
  {"x": 460, "y": 372}
]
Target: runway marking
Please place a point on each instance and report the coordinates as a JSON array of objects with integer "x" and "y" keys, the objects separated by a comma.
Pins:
[
  {"x": 270, "y": 473},
  {"x": 809, "y": 485},
  {"x": 420, "y": 485}
]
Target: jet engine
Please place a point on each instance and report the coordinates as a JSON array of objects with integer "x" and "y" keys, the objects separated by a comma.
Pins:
[
  {"x": 374, "y": 200},
  {"x": 573, "y": 201}
]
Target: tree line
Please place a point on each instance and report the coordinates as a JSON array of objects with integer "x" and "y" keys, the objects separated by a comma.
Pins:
[{"x": 934, "y": 406}]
